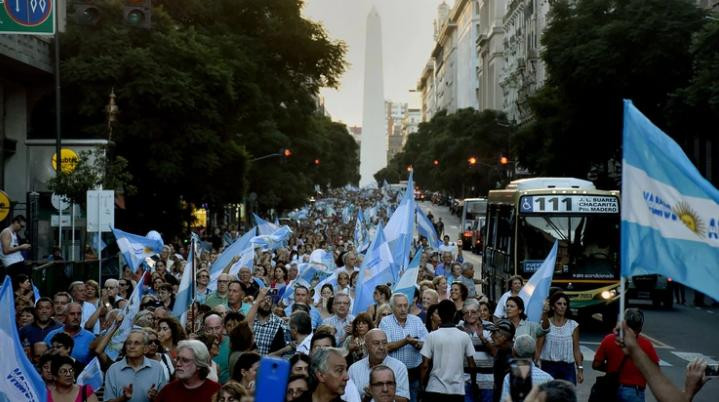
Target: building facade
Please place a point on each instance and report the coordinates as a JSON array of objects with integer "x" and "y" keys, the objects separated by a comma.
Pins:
[
  {"x": 490, "y": 53},
  {"x": 524, "y": 71}
]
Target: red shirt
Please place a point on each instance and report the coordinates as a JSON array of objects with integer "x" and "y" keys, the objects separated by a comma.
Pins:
[
  {"x": 175, "y": 391},
  {"x": 610, "y": 352}
]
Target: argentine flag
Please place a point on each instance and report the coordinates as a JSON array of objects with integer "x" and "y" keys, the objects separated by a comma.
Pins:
[
  {"x": 136, "y": 248},
  {"x": 536, "y": 290},
  {"x": 234, "y": 249},
  {"x": 185, "y": 291},
  {"x": 273, "y": 241},
  {"x": 20, "y": 380},
  {"x": 113, "y": 348},
  {"x": 400, "y": 229},
  {"x": 91, "y": 375},
  {"x": 376, "y": 269},
  {"x": 361, "y": 236},
  {"x": 426, "y": 229},
  {"x": 670, "y": 213},
  {"x": 264, "y": 227},
  {"x": 407, "y": 283}
]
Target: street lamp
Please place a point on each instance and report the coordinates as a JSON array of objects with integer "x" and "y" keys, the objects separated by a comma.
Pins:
[{"x": 472, "y": 160}]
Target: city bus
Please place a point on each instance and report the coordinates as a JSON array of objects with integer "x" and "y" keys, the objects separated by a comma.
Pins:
[
  {"x": 472, "y": 219},
  {"x": 525, "y": 219}
]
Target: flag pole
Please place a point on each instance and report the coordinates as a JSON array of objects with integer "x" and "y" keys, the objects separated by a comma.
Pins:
[{"x": 192, "y": 284}]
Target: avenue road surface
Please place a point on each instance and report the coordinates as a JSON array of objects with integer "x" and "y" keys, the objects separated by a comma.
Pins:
[{"x": 678, "y": 334}]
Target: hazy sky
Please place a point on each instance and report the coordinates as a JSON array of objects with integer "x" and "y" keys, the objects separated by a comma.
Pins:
[{"x": 406, "y": 45}]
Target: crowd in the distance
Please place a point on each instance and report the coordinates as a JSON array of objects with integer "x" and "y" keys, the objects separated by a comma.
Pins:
[{"x": 446, "y": 341}]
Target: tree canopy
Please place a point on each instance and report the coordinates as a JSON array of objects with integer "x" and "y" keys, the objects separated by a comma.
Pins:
[
  {"x": 439, "y": 152},
  {"x": 598, "y": 52},
  {"x": 211, "y": 86}
]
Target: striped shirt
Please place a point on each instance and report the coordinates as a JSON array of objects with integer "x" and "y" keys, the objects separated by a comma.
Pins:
[{"x": 413, "y": 327}]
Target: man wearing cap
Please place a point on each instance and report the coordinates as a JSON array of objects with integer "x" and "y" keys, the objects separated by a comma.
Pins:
[
  {"x": 524, "y": 348},
  {"x": 502, "y": 336}
]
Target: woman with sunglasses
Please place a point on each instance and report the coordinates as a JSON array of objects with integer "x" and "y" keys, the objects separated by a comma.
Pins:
[
  {"x": 126, "y": 288},
  {"x": 65, "y": 389},
  {"x": 155, "y": 351}
]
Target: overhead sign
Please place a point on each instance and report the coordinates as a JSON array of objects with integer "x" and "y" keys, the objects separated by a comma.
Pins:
[
  {"x": 68, "y": 161},
  {"x": 30, "y": 17},
  {"x": 4, "y": 205},
  {"x": 569, "y": 203},
  {"x": 100, "y": 210}
]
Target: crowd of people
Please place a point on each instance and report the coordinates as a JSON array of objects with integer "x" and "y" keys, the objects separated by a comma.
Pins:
[{"x": 446, "y": 341}]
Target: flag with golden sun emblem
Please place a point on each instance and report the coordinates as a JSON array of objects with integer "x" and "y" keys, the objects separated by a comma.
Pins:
[{"x": 670, "y": 213}]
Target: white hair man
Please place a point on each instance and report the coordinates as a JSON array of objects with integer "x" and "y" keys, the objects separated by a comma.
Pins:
[
  {"x": 328, "y": 370},
  {"x": 191, "y": 370},
  {"x": 359, "y": 371},
  {"x": 406, "y": 334}
]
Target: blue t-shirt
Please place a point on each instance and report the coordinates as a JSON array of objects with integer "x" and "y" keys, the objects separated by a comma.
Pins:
[{"x": 81, "y": 350}]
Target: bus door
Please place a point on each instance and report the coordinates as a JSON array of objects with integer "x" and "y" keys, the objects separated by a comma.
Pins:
[{"x": 497, "y": 261}]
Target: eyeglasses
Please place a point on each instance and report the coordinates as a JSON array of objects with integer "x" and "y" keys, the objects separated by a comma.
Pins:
[
  {"x": 222, "y": 281},
  {"x": 67, "y": 371},
  {"x": 182, "y": 361}
]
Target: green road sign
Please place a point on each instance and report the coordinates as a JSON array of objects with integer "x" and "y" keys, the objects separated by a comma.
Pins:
[{"x": 31, "y": 17}]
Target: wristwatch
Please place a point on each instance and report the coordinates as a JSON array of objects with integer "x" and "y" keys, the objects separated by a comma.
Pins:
[{"x": 580, "y": 367}]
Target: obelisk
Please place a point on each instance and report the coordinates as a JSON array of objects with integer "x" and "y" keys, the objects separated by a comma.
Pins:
[{"x": 373, "y": 152}]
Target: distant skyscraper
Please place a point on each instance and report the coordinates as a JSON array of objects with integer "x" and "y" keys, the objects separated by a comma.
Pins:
[{"x": 373, "y": 151}]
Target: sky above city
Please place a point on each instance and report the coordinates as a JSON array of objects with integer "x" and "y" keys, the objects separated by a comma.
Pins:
[{"x": 406, "y": 46}]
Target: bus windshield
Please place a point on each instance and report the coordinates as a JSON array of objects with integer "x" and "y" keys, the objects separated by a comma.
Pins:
[{"x": 588, "y": 244}]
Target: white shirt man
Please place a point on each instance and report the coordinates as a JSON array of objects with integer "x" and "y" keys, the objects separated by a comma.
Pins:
[
  {"x": 443, "y": 348},
  {"x": 359, "y": 372}
]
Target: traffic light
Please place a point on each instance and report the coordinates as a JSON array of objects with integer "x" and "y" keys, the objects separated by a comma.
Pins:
[
  {"x": 503, "y": 160},
  {"x": 138, "y": 13},
  {"x": 286, "y": 152},
  {"x": 317, "y": 162},
  {"x": 435, "y": 162},
  {"x": 86, "y": 12}
]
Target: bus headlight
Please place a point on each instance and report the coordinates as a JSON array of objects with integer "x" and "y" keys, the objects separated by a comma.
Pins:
[{"x": 608, "y": 294}]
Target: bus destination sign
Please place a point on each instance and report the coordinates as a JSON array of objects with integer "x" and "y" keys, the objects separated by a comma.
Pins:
[{"x": 569, "y": 203}]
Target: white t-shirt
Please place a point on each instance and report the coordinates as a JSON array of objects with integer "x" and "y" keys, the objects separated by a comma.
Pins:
[
  {"x": 444, "y": 346},
  {"x": 501, "y": 305},
  {"x": 351, "y": 393}
]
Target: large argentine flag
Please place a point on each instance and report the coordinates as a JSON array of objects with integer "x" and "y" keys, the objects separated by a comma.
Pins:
[
  {"x": 376, "y": 269},
  {"x": 536, "y": 290},
  {"x": 20, "y": 381},
  {"x": 112, "y": 350},
  {"x": 670, "y": 213},
  {"x": 264, "y": 227},
  {"x": 136, "y": 248},
  {"x": 400, "y": 230}
]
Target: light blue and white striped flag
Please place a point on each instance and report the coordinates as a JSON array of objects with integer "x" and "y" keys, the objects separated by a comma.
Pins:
[
  {"x": 407, "y": 283},
  {"x": 135, "y": 248},
  {"x": 536, "y": 290},
  {"x": 264, "y": 227},
  {"x": 361, "y": 234},
  {"x": 20, "y": 380},
  {"x": 91, "y": 375},
  {"x": 183, "y": 299},
  {"x": 670, "y": 213},
  {"x": 113, "y": 348},
  {"x": 400, "y": 230},
  {"x": 426, "y": 229},
  {"x": 376, "y": 269}
]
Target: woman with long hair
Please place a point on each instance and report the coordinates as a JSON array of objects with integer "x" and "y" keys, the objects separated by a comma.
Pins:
[
  {"x": 381, "y": 296},
  {"x": 300, "y": 365},
  {"x": 326, "y": 292},
  {"x": 354, "y": 343},
  {"x": 65, "y": 389},
  {"x": 92, "y": 292},
  {"x": 458, "y": 293},
  {"x": 170, "y": 333},
  {"x": 212, "y": 343},
  {"x": 241, "y": 341},
  {"x": 246, "y": 370},
  {"x": 440, "y": 284},
  {"x": 156, "y": 352},
  {"x": 515, "y": 314},
  {"x": 559, "y": 350}
]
